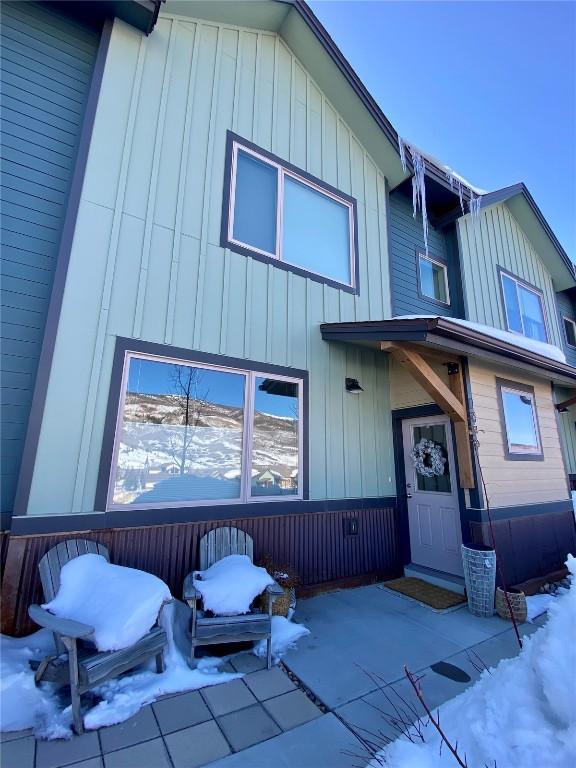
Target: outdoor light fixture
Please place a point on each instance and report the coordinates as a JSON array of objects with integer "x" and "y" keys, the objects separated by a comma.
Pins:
[{"x": 353, "y": 387}]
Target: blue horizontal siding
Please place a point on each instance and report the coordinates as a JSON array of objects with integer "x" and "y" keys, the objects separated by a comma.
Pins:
[
  {"x": 406, "y": 239},
  {"x": 47, "y": 61}
]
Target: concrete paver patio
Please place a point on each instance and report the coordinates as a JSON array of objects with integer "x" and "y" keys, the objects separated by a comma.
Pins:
[{"x": 267, "y": 720}]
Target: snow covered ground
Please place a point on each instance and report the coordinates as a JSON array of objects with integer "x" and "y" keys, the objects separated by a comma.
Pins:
[
  {"x": 519, "y": 715},
  {"x": 24, "y": 705}
]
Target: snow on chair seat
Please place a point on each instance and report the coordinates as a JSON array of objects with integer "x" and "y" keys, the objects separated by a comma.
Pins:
[{"x": 78, "y": 663}]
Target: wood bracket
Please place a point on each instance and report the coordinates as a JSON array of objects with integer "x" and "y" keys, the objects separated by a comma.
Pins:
[{"x": 451, "y": 399}]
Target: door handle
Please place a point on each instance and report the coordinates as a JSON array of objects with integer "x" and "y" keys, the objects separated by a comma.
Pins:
[{"x": 408, "y": 495}]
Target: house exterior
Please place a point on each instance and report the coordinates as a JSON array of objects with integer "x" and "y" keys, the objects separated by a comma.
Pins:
[{"x": 236, "y": 316}]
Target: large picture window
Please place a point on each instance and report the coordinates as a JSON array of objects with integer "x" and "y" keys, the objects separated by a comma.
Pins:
[
  {"x": 275, "y": 212},
  {"x": 520, "y": 423},
  {"x": 191, "y": 433},
  {"x": 523, "y": 308}
]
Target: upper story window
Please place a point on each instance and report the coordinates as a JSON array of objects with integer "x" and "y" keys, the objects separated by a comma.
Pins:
[
  {"x": 570, "y": 331},
  {"x": 433, "y": 279},
  {"x": 523, "y": 307},
  {"x": 282, "y": 215},
  {"x": 189, "y": 433},
  {"x": 518, "y": 409}
]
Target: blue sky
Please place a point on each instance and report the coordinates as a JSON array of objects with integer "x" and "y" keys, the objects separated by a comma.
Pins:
[{"x": 488, "y": 87}]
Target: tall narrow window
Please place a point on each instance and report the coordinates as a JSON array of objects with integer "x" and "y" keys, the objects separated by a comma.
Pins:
[
  {"x": 190, "y": 434},
  {"x": 279, "y": 213},
  {"x": 433, "y": 279},
  {"x": 523, "y": 308},
  {"x": 518, "y": 408}
]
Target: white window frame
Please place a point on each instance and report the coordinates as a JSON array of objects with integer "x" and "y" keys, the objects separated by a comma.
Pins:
[
  {"x": 514, "y": 449},
  {"x": 423, "y": 256},
  {"x": 245, "y": 496},
  {"x": 573, "y": 324},
  {"x": 521, "y": 284},
  {"x": 282, "y": 173}
]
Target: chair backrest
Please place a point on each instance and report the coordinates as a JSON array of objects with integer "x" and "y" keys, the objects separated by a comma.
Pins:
[
  {"x": 52, "y": 562},
  {"x": 222, "y": 542}
]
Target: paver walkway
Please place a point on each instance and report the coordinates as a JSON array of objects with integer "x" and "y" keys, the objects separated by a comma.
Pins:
[{"x": 265, "y": 720}]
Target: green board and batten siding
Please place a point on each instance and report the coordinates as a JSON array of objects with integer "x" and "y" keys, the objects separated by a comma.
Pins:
[
  {"x": 494, "y": 240},
  {"x": 47, "y": 63},
  {"x": 146, "y": 261}
]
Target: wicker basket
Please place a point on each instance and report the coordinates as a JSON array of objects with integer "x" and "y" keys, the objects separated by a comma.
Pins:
[
  {"x": 281, "y": 605},
  {"x": 517, "y": 600}
]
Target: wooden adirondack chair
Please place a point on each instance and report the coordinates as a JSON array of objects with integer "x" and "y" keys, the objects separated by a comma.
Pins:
[
  {"x": 211, "y": 630},
  {"x": 77, "y": 662}
]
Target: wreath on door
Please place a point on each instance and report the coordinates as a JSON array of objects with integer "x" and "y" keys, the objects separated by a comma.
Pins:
[{"x": 428, "y": 458}]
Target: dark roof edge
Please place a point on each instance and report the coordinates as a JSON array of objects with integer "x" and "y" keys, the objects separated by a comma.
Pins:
[
  {"x": 418, "y": 330},
  {"x": 316, "y": 26},
  {"x": 501, "y": 195}
]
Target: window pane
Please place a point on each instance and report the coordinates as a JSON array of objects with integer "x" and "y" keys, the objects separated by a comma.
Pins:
[
  {"x": 180, "y": 436},
  {"x": 520, "y": 426},
  {"x": 275, "y": 438},
  {"x": 532, "y": 314},
  {"x": 432, "y": 280},
  {"x": 316, "y": 232},
  {"x": 255, "y": 203},
  {"x": 570, "y": 329},
  {"x": 436, "y": 483},
  {"x": 512, "y": 306}
]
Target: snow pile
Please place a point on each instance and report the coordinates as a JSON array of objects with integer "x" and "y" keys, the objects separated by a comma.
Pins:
[
  {"x": 531, "y": 345},
  {"x": 22, "y": 704},
  {"x": 124, "y": 696},
  {"x": 121, "y": 603},
  {"x": 229, "y": 586},
  {"x": 520, "y": 716},
  {"x": 285, "y": 635},
  {"x": 536, "y": 605}
]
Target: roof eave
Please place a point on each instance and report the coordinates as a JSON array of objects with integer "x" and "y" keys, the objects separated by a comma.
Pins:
[{"x": 432, "y": 330}]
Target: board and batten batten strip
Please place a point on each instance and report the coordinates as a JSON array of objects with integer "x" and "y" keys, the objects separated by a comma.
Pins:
[
  {"x": 96, "y": 367},
  {"x": 224, "y": 340},
  {"x": 191, "y": 29},
  {"x": 208, "y": 180},
  {"x": 153, "y": 188}
]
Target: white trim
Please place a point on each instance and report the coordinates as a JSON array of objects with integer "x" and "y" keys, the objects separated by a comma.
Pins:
[
  {"x": 515, "y": 448},
  {"x": 573, "y": 324},
  {"x": 444, "y": 268},
  {"x": 282, "y": 172},
  {"x": 245, "y": 496}
]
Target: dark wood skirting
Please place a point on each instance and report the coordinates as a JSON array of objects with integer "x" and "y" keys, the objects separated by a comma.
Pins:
[
  {"x": 316, "y": 545},
  {"x": 530, "y": 546},
  {"x": 4, "y": 537}
]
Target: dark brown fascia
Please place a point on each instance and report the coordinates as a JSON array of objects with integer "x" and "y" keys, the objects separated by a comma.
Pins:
[{"x": 423, "y": 329}]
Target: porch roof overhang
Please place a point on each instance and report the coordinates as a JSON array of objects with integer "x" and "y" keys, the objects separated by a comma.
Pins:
[{"x": 442, "y": 334}]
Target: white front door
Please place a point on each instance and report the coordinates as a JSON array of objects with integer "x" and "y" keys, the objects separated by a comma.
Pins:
[{"x": 433, "y": 507}]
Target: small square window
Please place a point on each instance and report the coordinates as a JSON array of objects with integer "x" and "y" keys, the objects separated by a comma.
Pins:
[
  {"x": 522, "y": 437},
  {"x": 570, "y": 331},
  {"x": 433, "y": 277}
]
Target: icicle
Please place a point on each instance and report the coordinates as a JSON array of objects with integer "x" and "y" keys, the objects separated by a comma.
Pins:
[
  {"x": 454, "y": 182},
  {"x": 461, "y": 196},
  {"x": 419, "y": 192},
  {"x": 402, "y": 150},
  {"x": 474, "y": 206}
]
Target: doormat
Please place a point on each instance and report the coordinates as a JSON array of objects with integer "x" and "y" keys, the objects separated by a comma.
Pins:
[{"x": 436, "y": 597}]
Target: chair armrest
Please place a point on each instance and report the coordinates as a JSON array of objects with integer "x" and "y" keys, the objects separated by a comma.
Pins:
[
  {"x": 275, "y": 589},
  {"x": 64, "y": 627},
  {"x": 189, "y": 592}
]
